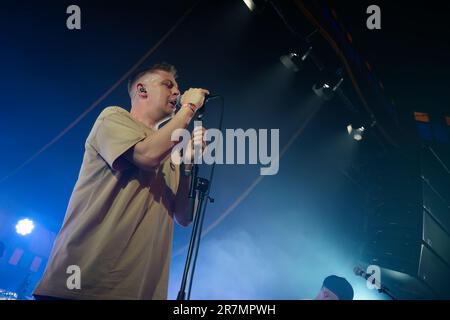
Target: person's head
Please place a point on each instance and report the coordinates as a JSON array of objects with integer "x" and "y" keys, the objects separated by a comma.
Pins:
[
  {"x": 335, "y": 288},
  {"x": 153, "y": 92}
]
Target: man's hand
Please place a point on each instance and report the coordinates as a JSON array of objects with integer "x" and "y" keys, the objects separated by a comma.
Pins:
[
  {"x": 181, "y": 200},
  {"x": 194, "y": 96},
  {"x": 198, "y": 141}
]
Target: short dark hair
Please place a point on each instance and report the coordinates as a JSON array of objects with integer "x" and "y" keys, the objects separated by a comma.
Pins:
[
  {"x": 163, "y": 66},
  {"x": 339, "y": 286}
]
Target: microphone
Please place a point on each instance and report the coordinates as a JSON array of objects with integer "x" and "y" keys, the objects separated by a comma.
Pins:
[
  {"x": 201, "y": 112},
  {"x": 360, "y": 272},
  {"x": 211, "y": 96},
  {"x": 381, "y": 288}
]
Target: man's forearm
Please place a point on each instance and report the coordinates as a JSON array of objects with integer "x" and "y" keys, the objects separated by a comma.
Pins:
[{"x": 159, "y": 145}]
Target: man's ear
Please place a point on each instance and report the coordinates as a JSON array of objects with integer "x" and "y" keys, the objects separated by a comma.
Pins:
[
  {"x": 329, "y": 295},
  {"x": 141, "y": 91}
]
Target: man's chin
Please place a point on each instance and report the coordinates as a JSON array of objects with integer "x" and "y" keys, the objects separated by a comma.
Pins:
[{"x": 169, "y": 110}]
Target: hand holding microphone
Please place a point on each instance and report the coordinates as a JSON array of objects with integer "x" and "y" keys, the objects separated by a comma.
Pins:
[
  {"x": 191, "y": 96},
  {"x": 194, "y": 98}
]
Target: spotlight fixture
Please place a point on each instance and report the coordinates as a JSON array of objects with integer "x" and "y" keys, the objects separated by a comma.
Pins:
[
  {"x": 24, "y": 227},
  {"x": 250, "y": 4},
  {"x": 294, "y": 61},
  {"x": 326, "y": 90},
  {"x": 256, "y": 5},
  {"x": 356, "y": 134}
]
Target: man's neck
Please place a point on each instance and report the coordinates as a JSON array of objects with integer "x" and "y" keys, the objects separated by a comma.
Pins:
[{"x": 145, "y": 120}]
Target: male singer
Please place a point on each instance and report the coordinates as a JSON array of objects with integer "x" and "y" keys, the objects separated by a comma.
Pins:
[{"x": 116, "y": 238}]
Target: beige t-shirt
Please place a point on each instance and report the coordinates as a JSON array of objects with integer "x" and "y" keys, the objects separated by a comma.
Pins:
[{"x": 119, "y": 223}]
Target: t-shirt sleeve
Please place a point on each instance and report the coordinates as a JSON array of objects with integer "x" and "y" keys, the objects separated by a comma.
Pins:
[{"x": 113, "y": 134}]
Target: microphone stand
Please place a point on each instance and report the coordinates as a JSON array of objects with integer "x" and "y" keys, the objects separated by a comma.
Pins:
[
  {"x": 199, "y": 187},
  {"x": 385, "y": 290},
  {"x": 381, "y": 288}
]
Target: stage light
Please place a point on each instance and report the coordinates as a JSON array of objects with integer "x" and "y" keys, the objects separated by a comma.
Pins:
[
  {"x": 349, "y": 129},
  {"x": 356, "y": 134},
  {"x": 294, "y": 61},
  {"x": 288, "y": 61},
  {"x": 250, "y": 4},
  {"x": 256, "y": 6},
  {"x": 24, "y": 227},
  {"x": 326, "y": 90}
]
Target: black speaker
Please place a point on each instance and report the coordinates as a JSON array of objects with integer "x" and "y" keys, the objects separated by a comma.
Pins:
[
  {"x": 436, "y": 206},
  {"x": 434, "y": 272},
  {"x": 435, "y": 172},
  {"x": 436, "y": 238},
  {"x": 408, "y": 224}
]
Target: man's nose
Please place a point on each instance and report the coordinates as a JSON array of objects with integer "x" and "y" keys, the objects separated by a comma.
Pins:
[{"x": 176, "y": 92}]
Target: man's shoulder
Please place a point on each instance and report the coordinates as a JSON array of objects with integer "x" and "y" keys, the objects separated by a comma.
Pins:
[
  {"x": 115, "y": 115},
  {"x": 113, "y": 110}
]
